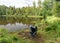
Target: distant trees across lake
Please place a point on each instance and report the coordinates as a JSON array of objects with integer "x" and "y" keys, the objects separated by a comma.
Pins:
[{"x": 46, "y": 8}]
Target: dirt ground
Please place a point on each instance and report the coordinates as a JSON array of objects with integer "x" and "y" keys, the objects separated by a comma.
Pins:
[{"x": 39, "y": 38}]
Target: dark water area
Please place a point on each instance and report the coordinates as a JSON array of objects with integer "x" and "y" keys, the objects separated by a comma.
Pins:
[{"x": 15, "y": 23}]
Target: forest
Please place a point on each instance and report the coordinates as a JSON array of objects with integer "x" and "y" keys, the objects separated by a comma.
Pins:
[
  {"x": 46, "y": 16},
  {"x": 47, "y": 8}
]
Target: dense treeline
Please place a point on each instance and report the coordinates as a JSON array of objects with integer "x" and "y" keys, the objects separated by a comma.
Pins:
[{"x": 48, "y": 7}]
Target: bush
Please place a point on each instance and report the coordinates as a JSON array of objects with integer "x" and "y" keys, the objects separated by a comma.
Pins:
[
  {"x": 5, "y": 38},
  {"x": 3, "y": 32},
  {"x": 52, "y": 26}
]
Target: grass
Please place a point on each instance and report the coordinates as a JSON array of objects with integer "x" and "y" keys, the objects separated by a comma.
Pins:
[
  {"x": 49, "y": 34},
  {"x": 6, "y": 37}
]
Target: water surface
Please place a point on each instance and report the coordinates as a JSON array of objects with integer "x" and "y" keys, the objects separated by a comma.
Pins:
[{"x": 15, "y": 23}]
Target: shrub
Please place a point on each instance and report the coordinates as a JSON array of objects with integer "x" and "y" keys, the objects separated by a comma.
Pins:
[
  {"x": 5, "y": 38},
  {"x": 52, "y": 26}
]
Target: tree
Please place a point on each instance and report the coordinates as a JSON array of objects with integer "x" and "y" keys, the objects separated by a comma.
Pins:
[
  {"x": 58, "y": 9},
  {"x": 34, "y": 8}
]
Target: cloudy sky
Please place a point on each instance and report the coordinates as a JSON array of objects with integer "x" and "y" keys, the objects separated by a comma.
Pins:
[{"x": 17, "y": 3}]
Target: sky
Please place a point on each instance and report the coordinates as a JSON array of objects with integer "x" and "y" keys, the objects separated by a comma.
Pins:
[{"x": 18, "y": 3}]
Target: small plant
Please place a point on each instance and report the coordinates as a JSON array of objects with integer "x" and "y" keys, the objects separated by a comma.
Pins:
[
  {"x": 5, "y": 37},
  {"x": 15, "y": 38},
  {"x": 5, "y": 40},
  {"x": 52, "y": 26}
]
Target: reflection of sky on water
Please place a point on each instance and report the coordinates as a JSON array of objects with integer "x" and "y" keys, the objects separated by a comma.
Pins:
[{"x": 14, "y": 27}]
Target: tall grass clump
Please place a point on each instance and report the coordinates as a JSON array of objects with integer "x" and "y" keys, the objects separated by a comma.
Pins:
[
  {"x": 53, "y": 30},
  {"x": 4, "y": 36},
  {"x": 7, "y": 37}
]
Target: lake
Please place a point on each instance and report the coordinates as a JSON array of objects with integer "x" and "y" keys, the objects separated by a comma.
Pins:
[{"x": 15, "y": 23}]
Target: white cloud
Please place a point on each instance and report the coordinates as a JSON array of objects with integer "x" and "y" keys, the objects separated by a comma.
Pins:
[{"x": 17, "y": 3}]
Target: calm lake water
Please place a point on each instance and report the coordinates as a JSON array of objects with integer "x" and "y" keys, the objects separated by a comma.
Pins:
[
  {"x": 15, "y": 23},
  {"x": 14, "y": 27}
]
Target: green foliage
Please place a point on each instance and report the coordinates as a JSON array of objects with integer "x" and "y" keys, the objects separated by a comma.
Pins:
[
  {"x": 45, "y": 9},
  {"x": 58, "y": 9},
  {"x": 53, "y": 25},
  {"x": 6, "y": 37},
  {"x": 3, "y": 32},
  {"x": 48, "y": 8}
]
